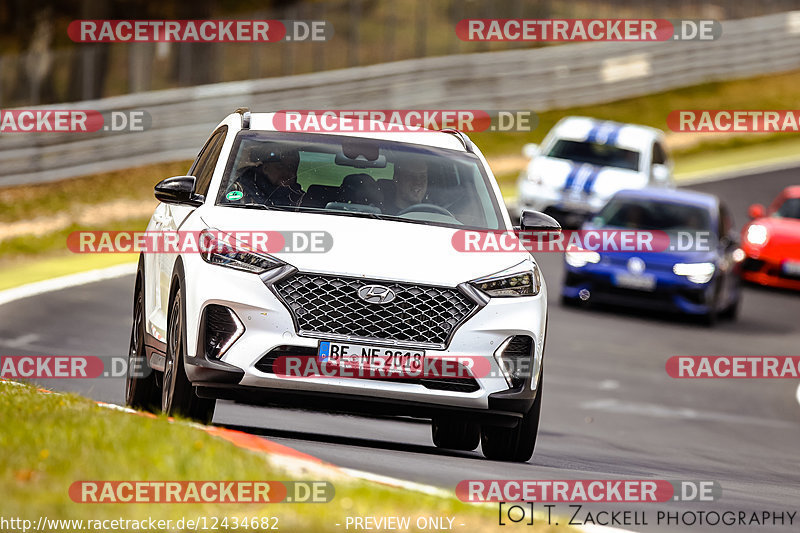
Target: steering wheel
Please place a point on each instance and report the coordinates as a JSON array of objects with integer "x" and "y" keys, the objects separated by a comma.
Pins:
[{"x": 426, "y": 208}]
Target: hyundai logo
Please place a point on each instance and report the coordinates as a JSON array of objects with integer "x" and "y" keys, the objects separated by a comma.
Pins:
[{"x": 376, "y": 294}]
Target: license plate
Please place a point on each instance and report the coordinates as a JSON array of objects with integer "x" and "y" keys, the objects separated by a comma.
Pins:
[
  {"x": 637, "y": 282},
  {"x": 371, "y": 357},
  {"x": 791, "y": 267}
]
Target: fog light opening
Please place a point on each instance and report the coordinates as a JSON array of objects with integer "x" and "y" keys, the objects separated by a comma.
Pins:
[
  {"x": 514, "y": 357},
  {"x": 220, "y": 329}
]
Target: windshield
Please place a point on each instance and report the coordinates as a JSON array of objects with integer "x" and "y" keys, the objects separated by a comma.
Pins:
[
  {"x": 789, "y": 209},
  {"x": 653, "y": 215},
  {"x": 600, "y": 154},
  {"x": 359, "y": 177}
]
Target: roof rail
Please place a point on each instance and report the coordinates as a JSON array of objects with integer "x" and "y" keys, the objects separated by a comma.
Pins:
[
  {"x": 461, "y": 136},
  {"x": 245, "y": 112}
]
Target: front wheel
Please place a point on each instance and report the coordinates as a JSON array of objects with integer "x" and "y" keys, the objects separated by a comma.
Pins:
[
  {"x": 514, "y": 444},
  {"x": 732, "y": 311},
  {"x": 177, "y": 394},
  {"x": 455, "y": 434}
]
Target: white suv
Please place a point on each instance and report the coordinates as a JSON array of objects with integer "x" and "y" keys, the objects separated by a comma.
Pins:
[{"x": 389, "y": 288}]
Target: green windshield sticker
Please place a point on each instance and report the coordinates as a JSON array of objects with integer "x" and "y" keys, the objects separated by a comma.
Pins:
[{"x": 234, "y": 195}]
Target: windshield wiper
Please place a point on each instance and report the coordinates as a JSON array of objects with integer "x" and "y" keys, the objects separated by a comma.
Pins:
[
  {"x": 297, "y": 208},
  {"x": 247, "y": 206}
]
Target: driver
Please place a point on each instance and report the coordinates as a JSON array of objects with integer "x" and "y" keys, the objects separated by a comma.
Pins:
[
  {"x": 270, "y": 176},
  {"x": 411, "y": 185}
]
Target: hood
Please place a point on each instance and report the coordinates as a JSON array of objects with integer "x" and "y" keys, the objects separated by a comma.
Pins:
[
  {"x": 663, "y": 260},
  {"x": 603, "y": 181},
  {"x": 381, "y": 249}
]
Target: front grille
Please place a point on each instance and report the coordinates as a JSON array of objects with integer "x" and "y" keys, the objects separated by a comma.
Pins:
[
  {"x": 752, "y": 265},
  {"x": 466, "y": 383},
  {"x": 266, "y": 363},
  {"x": 330, "y": 305}
]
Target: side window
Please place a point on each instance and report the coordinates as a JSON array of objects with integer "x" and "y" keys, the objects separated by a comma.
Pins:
[
  {"x": 203, "y": 167},
  {"x": 659, "y": 155}
]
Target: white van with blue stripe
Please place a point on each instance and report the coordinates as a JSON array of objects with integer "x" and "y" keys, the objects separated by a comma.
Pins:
[{"x": 583, "y": 161}]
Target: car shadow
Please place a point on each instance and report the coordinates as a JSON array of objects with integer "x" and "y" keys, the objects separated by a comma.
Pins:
[{"x": 358, "y": 442}]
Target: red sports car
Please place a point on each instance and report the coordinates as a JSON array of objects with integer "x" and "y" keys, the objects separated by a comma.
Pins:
[{"x": 771, "y": 242}]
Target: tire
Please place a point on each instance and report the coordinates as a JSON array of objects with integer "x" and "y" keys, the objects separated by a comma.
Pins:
[
  {"x": 141, "y": 391},
  {"x": 514, "y": 444},
  {"x": 732, "y": 311},
  {"x": 177, "y": 394},
  {"x": 455, "y": 434},
  {"x": 709, "y": 319}
]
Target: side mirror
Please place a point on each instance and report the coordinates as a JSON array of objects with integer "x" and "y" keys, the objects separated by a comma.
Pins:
[
  {"x": 661, "y": 174},
  {"x": 530, "y": 150},
  {"x": 539, "y": 222},
  {"x": 178, "y": 190},
  {"x": 756, "y": 211}
]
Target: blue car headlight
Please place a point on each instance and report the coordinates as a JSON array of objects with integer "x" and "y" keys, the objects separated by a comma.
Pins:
[
  {"x": 695, "y": 272},
  {"x": 580, "y": 258}
]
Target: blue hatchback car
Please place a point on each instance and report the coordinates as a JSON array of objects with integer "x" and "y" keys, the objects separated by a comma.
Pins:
[{"x": 695, "y": 280}]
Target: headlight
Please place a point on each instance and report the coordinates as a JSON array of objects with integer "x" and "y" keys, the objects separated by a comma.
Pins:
[
  {"x": 695, "y": 272},
  {"x": 520, "y": 280},
  {"x": 229, "y": 252},
  {"x": 581, "y": 258},
  {"x": 757, "y": 234}
]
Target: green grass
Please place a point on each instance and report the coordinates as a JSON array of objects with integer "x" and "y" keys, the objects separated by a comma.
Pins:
[
  {"x": 31, "y": 201},
  {"x": 739, "y": 154},
  {"x": 21, "y": 272},
  {"x": 57, "y": 439},
  {"x": 56, "y": 242}
]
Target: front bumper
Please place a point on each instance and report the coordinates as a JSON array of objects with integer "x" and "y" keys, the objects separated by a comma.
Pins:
[
  {"x": 769, "y": 273},
  {"x": 268, "y": 325},
  {"x": 672, "y": 293}
]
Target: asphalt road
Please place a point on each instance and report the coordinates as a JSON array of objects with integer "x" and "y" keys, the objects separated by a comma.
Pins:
[{"x": 610, "y": 410}]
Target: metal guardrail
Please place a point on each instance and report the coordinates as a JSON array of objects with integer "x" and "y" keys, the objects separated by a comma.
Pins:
[{"x": 540, "y": 79}]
